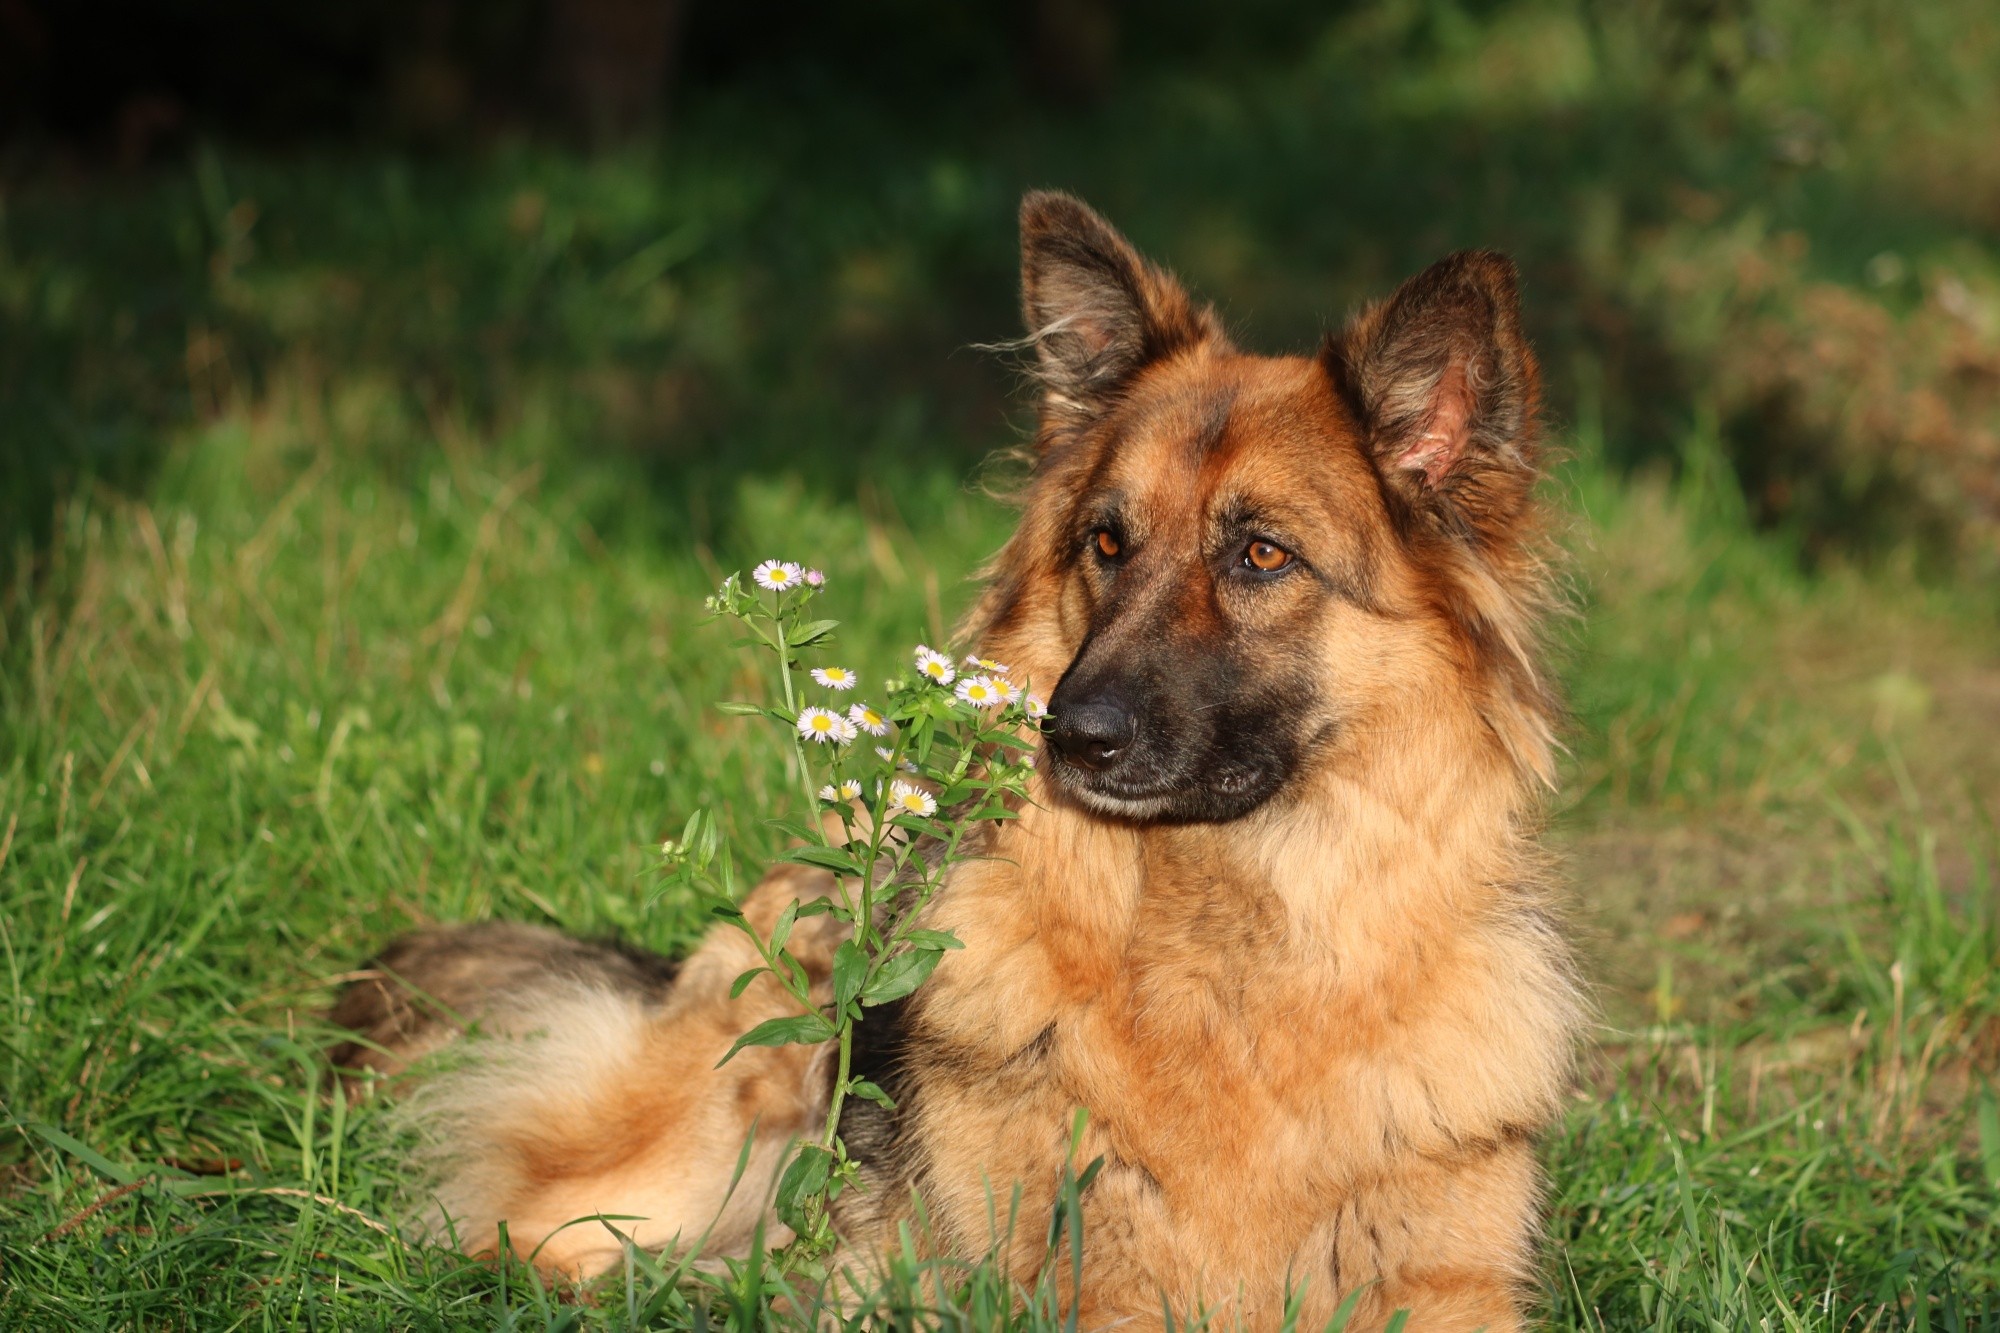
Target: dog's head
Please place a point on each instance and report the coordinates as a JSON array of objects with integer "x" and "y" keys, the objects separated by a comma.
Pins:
[{"x": 1233, "y": 565}]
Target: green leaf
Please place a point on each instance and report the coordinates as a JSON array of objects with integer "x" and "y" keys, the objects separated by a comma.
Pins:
[
  {"x": 901, "y": 975},
  {"x": 867, "y": 1091},
  {"x": 811, "y": 632},
  {"x": 90, "y": 1157},
  {"x": 800, "y": 1030},
  {"x": 801, "y": 984},
  {"x": 781, "y": 929},
  {"x": 804, "y": 1178},
  {"x": 791, "y": 828},
  {"x": 702, "y": 838},
  {"x": 826, "y": 858},
  {"x": 934, "y": 939},
  {"x": 736, "y": 709},
  {"x": 850, "y": 969},
  {"x": 742, "y": 983}
]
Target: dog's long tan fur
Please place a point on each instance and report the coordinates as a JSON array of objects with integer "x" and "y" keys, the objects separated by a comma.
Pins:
[{"x": 1317, "y": 1038}]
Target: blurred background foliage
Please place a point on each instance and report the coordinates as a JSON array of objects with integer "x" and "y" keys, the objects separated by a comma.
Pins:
[{"x": 732, "y": 235}]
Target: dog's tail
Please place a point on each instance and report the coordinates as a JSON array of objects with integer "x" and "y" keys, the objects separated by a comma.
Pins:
[
  {"x": 426, "y": 988},
  {"x": 582, "y": 1104}
]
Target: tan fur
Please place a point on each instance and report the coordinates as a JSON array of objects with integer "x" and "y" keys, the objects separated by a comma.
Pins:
[
  {"x": 1316, "y": 1043},
  {"x": 1383, "y": 1019},
  {"x": 578, "y": 1096}
]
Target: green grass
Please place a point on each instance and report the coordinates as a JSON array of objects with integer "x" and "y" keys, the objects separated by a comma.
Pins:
[
  {"x": 287, "y": 707},
  {"x": 366, "y": 505}
]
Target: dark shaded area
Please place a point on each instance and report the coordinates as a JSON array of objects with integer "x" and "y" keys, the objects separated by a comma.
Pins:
[
  {"x": 761, "y": 235},
  {"x": 126, "y": 80}
]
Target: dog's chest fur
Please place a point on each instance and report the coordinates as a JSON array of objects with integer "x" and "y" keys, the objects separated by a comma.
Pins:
[{"x": 1241, "y": 1071}]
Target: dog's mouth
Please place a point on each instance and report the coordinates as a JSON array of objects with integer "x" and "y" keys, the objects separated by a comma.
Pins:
[{"x": 1157, "y": 794}]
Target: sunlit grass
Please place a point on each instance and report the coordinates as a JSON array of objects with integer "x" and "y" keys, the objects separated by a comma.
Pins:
[{"x": 294, "y": 703}]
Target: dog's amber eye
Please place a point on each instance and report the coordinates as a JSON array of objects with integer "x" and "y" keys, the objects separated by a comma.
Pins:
[
  {"x": 1265, "y": 556},
  {"x": 1107, "y": 545}
]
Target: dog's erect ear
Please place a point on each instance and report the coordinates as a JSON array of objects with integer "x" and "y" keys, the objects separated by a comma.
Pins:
[
  {"x": 1447, "y": 390},
  {"x": 1096, "y": 311}
]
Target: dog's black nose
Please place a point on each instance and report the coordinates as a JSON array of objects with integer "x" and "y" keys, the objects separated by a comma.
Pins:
[{"x": 1091, "y": 734}]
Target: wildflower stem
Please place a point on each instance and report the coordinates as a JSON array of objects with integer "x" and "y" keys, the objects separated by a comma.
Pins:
[
  {"x": 832, "y": 1131},
  {"x": 792, "y": 710}
]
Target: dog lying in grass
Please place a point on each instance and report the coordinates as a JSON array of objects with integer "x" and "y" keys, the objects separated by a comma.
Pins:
[{"x": 1274, "y": 914}]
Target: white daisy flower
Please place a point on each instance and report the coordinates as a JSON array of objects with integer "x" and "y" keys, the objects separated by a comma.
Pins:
[
  {"x": 1036, "y": 708},
  {"x": 986, "y": 664},
  {"x": 834, "y": 678},
  {"x": 846, "y": 791},
  {"x": 822, "y": 725},
  {"x": 978, "y": 691},
  {"x": 935, "y": 665},
  {"x": 888, "y": 755},
  {"x": 911, "y": 800},
  {"x": 1005, "y": 691},
  {"x": 865, "y": 717},
  {"x": 778, "y": 575}
]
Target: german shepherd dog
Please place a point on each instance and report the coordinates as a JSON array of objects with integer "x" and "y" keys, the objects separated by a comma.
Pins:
[{"x": 1274, "y": 912}]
